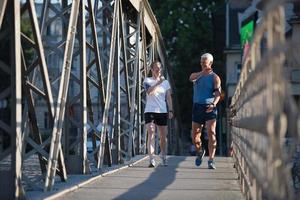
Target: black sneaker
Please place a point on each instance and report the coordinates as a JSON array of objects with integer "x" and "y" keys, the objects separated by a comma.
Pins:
[{"x": 199, "y": 157}]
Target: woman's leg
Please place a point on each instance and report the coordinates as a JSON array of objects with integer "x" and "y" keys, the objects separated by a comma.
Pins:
[
  {"x": 150, "y": 142},
  {"x": 163, "y": 130}
]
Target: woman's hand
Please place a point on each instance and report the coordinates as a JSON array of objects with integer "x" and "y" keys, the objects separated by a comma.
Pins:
[
  {"x": 161, "y": 79},
  {"x": 151, "y": 89},
  {"x": 171, "y": 115}
]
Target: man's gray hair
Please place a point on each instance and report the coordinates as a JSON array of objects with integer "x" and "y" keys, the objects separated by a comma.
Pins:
[{"x": 208, "y": 56}]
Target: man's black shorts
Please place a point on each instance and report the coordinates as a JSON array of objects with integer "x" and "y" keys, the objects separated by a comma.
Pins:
[
  {"x": 160, "y": 119},
  {"x": 200, "y": 115}
]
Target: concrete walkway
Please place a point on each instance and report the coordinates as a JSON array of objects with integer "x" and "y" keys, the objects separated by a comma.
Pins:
[{"x": 181, "y": 179}]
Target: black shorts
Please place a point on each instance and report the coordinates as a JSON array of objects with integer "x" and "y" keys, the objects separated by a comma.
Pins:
[
  {"x": 160, "y": 119},
  {"x": 200, "y": 115}
]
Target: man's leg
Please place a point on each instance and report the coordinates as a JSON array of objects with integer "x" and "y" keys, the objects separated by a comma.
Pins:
[
  {"x": 196, "y": 131},
  {"x": 212, "y": 141},
  {"x": 150, "y": 142},
  {"x": 196, "y": 135}
]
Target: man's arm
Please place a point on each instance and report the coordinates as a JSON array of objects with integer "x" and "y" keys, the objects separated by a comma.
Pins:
[
  {"x": 195, "y": 76},
  {"x": 217, "y": 89},
  {"x": 170, "y": 104},
  {"x": 217, "y": 92}
]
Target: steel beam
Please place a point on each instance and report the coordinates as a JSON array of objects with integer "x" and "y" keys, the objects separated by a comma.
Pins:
[
  {"x": 113, "y": 61},
  {"x": 62, "y": 96},
  {"x": 109, "y": 85},
  {"x": 29, "y": 87},
  {"x": 2, "y": 10},
  {"x": 95, "y": 78},
  {"x": 11, "y": 162}
]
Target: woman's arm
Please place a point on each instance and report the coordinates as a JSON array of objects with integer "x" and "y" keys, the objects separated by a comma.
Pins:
[
  {"x": 151, "y": 89},
  {"x": 170, "y": 104}
]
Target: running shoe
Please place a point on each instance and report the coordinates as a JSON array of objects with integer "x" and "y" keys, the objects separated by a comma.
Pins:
[
  {"x": 152, "y": 163},
  {"x": 164, "y": 161},
  {"x": 211, "y": 164},
  {"x": 199, "y": 157}
]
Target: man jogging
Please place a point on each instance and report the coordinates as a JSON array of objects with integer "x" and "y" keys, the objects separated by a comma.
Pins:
[{"x": 207, "y": 91}]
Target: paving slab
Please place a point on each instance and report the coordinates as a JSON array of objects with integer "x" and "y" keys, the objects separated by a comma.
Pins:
[
  {"x": 34, "y": 190},
  {"x": 181, "y": 179}
]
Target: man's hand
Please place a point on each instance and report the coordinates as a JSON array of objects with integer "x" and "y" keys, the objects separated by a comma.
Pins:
[
  {"x": 195, "y": 76},
  {"x": 210, "y": 108}
]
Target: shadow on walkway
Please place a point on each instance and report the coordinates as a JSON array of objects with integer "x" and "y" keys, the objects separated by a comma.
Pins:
[{"x": 159, "y": 179}]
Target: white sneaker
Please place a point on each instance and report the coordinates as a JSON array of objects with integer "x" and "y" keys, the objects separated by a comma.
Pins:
[
  {"x": 152, "y": 163},
  {"x": 164, "y": 160},
  {"x": 165, "y": 163}
]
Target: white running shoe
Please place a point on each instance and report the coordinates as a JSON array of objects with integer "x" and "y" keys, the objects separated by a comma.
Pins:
[
  {"x": 152, "y": 163},
  {"x": 164, "y": 160}
]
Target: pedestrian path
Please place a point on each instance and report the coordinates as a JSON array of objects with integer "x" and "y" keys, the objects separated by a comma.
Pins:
[{"x": 181, "y": 179}]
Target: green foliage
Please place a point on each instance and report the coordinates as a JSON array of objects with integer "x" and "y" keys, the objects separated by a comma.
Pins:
[
  {"x": 188, "y": 33},
  {"x": 26, "y": 29},
  {"x": 6, "y": 42}
]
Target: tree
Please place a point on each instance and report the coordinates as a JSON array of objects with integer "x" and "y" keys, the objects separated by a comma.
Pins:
[{"x": 187, "y": 31}]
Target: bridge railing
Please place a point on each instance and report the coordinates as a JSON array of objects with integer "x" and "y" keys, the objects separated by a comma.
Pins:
[
  {"x": 263, "y": 111},
  {"x": 71, "y": 89}
]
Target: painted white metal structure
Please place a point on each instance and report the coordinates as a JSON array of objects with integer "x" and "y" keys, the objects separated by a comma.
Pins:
[{"x": 86, "y": 78}]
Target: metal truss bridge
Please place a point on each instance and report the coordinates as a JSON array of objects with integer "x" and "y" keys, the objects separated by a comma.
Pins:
[
  {"x": 71, "y": 99},
  {"x": 72, "y": 87}
]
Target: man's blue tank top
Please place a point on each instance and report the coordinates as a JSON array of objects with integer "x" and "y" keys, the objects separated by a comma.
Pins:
[{"x": 203, "y": 89}]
